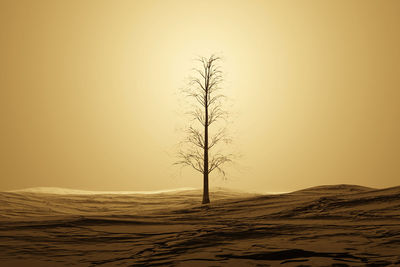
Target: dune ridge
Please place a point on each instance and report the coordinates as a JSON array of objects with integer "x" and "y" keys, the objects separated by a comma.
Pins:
[{"x": 68, "y": 191}]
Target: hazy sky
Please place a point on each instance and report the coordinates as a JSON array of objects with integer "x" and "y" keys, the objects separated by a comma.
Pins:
[{"x": 88, "y": 91}]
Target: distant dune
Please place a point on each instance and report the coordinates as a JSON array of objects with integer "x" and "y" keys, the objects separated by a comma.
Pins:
[
  {"x": 67, "y": 191},
  {"x": 335, "y": 189},
  {"x": 335, "y": 225}
]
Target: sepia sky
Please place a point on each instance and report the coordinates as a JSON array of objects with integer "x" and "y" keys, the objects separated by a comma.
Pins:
[{"x": 89, "y": 92}]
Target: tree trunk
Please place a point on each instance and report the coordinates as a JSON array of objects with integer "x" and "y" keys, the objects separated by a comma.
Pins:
[{"x": 206, "y": 198}]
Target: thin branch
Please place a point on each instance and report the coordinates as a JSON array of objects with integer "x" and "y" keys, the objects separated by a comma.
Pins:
[
  {"x": 190, "y": 158},
  {"x": 195, "y": 137},
  {"x": 220, "y": 136},
  {"x": 218, "y": 161}
]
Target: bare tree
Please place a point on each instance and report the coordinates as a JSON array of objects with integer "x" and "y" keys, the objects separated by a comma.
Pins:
[{"x": 199, "y": 148}]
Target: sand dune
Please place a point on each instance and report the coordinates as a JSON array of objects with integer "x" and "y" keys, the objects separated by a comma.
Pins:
[
  {"x": 340, "y": 225},
  {"x": 68, "y": 191}
]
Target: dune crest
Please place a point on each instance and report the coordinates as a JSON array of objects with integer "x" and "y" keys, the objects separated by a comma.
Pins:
[{"x": 67, "y": 191}]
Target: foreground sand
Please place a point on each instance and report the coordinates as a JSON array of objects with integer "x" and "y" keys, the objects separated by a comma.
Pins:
[{"x": 339, "y": 225}]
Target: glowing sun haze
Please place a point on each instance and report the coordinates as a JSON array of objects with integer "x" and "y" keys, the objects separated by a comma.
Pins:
[{"x": 89, "y": 91}]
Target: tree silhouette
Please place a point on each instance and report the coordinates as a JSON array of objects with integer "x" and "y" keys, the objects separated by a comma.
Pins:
[{"x": 199, "y": 147}]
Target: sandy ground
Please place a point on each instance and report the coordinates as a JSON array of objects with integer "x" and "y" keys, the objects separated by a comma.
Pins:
[{"x": 340, "y": 225}]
